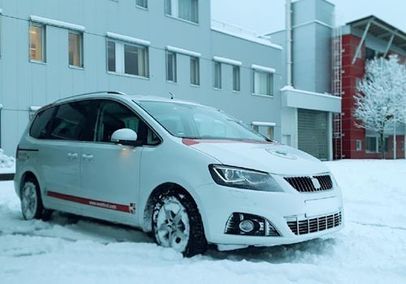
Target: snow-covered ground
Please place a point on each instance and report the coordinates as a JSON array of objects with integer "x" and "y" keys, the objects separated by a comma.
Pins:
[
  {"x": 7, "y": 164},
  {"x": 370, "y": 249}
]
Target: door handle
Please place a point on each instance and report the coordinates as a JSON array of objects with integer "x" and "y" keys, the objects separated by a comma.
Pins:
[
  {"x": 87, "y": 157},
  {"x": 73, "y": 156}
]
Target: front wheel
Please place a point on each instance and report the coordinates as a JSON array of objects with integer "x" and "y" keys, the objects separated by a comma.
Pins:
[
  {"x": 31, "y": 202},
  {"x": 177, "y": 224}
]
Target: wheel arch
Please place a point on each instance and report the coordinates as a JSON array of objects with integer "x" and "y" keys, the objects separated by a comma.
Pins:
[
  {"x": 153, "y": 197},
  {"x": 28, "y": 175}
]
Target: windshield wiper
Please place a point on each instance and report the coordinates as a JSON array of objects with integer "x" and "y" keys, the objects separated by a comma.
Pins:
[{"x": 203, "y": 137}]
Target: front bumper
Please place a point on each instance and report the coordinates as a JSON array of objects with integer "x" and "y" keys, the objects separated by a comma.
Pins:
[{"x": 282, "y": 209}]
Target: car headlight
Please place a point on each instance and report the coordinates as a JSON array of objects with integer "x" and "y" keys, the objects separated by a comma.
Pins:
[{"x": 243, "y": 178}]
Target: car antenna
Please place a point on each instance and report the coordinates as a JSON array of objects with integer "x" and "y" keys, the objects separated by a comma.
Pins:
[{"x": 172, "y": 96}]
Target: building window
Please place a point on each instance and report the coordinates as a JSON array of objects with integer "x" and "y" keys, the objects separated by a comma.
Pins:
[
  {"x": 127, "y": 58},
  {"x": 267, "y": 131},
  {"x": 358, "y": 145},
  {"x": 171, "y": 69},
  {"x": 388, "y": 145},
  {"x": 76, "y": 49},
  {"x": 236, "y": 78},
  {"x": 142, "y": 3},
  {"x": 111, "y": 56},
  {"x": 217, "y": 75},
  {"x": 184, "y": 9},
  {"x": 263, "y": 83},
  {"x": 371, "y": 144},
  {"x": 369, "y": 53},
  {"x": 135, "y": 60},
  {"x": 194, "y": 71},
  {"x": 37, "y": 42}
]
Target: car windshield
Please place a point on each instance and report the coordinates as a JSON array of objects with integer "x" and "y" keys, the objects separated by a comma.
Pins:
[{"x": 198, "y": 122}]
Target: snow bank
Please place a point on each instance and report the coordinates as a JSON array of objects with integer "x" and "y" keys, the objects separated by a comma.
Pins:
[{"x": 7, "y": 164}]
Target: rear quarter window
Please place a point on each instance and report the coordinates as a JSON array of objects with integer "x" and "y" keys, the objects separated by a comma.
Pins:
[{"x": 41, "y": 124}]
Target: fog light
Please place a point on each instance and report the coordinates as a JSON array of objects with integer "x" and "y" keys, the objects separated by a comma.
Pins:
[
  {"x": 246, "y": 226},
  {"x": 249, "y": 225}
]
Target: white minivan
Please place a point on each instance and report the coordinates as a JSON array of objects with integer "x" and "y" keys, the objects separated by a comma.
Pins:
[{"x": 189, "y": 174}]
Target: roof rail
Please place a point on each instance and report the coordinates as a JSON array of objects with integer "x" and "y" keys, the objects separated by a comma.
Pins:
[
  {"x": 116, "y": 92},
  {"x": 91, "y": 93}
]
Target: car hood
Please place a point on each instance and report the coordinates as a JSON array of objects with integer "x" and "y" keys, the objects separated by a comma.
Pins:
[{"x": 269, "y": 157}]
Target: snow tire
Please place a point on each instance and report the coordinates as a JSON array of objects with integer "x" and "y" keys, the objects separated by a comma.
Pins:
[
  {"x": 196, "y": 243},
  {"x": 37, "y": 210}
]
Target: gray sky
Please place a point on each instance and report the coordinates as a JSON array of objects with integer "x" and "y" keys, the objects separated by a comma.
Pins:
[{"x": 262, "y": 16}]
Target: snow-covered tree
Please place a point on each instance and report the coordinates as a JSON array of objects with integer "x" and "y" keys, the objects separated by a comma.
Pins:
[{"x": 381, "y": 97}]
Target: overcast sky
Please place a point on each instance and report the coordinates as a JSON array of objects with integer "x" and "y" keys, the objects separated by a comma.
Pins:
[{"x": 263, "y": 16}]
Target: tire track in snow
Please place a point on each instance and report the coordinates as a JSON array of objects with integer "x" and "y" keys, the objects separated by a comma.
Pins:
[{"x": 378, "y": 225}]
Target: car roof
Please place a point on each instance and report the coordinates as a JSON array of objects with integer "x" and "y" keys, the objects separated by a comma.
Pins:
[{"x": 128, "y": 97}]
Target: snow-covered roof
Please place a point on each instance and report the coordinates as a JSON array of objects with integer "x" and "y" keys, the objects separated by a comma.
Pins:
[
  {"x": 242, "y": 33},
  {"x": 263, "y": 123},
  {"x": 35, "y": 108},
  {"x": 292, "y": 89}
]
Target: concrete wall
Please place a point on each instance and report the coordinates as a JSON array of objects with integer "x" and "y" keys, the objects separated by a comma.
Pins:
[
  {"x": 311, "y": 35},
  {"x": 312, "y": 22},
  {"x": 24, "y": 84}
]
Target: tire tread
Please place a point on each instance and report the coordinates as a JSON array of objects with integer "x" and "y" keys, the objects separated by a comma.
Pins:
[{"x": 41, "y": 213}]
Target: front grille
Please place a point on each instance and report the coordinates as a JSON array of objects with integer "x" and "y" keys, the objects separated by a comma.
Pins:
[
  {"x": 305, "y": 184},
  {"x": 313, "y": 225}
]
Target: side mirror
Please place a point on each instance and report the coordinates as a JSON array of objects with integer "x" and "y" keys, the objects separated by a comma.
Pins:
[{"x": 124, "y": 136}]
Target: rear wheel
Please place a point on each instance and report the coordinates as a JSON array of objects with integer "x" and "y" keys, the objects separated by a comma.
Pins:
[
  {"x": 176, "y": 223},
  {"x": 31, "y": 202}
]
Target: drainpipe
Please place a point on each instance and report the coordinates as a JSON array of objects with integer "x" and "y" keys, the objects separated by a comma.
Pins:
[
  {"x": 394, "y": 140},
  {"x": 1, "y": 107},
  {"x": 289, "y": 42}
]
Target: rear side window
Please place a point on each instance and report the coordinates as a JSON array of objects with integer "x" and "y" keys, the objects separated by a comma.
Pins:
[
  {"x": 70, "y": 121},
  {"x": 42, "y": 123},
  {"x": 74, "y": 121}
]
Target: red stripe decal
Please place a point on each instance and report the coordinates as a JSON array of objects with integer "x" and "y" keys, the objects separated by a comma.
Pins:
[{"x": 96, "y": 203}]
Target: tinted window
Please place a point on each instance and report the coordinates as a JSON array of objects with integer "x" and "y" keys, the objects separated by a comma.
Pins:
[
  {"x": 114, "y": 116},
  {"x": 74, "y": 121},
  {"x": 41, "y": 124}
]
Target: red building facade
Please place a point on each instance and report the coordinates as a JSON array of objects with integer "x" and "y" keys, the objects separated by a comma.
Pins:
[{"x": 362, "y": 40}]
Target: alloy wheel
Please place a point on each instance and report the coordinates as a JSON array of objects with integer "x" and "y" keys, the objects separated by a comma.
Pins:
[
  {"x": 29, "y": 201},
  {"x": 172, "y": 224}
]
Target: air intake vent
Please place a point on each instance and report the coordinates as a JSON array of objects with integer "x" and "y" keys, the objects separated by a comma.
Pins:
[{"x": 313, "y": 225}]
